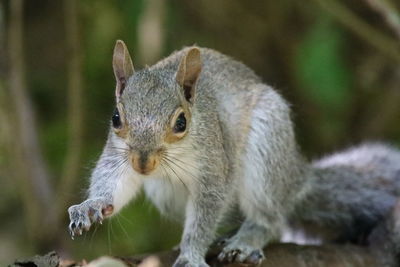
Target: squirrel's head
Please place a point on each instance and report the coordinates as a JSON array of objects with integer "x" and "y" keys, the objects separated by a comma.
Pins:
[{"x": 153, "y": 107}]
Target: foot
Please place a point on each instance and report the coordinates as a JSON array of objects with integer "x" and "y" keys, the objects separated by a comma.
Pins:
[
  {"x": 82, "y": 216},
  {"x": 246, "y": 245},
  {"x": 239, "y": 252}
]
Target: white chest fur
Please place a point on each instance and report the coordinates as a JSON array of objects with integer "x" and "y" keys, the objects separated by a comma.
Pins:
[
  {"x": 179, "y": 170},
  {"x": 169, "y": 198}
]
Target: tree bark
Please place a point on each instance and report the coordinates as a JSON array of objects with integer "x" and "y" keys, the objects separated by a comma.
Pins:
[
  {"x": 285, "y": 255},
  {"x": 277, "y": 255},
  {"x": 71, "y": 167},
  {"x": 151, "y": 37},
  {"x": 32, "y": 170}
]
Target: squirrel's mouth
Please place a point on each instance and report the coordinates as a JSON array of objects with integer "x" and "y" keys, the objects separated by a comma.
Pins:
[{"x": 145, "y": 162}]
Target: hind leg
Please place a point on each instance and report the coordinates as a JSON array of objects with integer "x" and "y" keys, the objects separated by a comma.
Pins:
[
  {"x": 263, "y": 224},
  {"x": 246, "y": 246},
  {"x": 269, "y": 182}
]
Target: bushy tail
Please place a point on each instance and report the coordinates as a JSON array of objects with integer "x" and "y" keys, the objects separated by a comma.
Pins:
[
  {"x": 384, "y": 240},
  {"x": 351, "y": 192}
]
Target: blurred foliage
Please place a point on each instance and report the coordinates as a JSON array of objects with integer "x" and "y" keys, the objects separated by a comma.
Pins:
[
  {"x": 342, "y": 90},
  {"x": 324, "y": 74}
]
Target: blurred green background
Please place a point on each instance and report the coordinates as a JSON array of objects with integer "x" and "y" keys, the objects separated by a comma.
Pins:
[{"x": 337, "y": 62}]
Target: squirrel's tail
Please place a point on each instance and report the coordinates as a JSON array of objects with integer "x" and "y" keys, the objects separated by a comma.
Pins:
[
  {"x": 384, "y": 240},
  {"x": 350, "y": 193}
]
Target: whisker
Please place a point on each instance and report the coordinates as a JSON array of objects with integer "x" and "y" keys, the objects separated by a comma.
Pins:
[
  {"x": 118, "y": 152},
  {"x": 167, "y": 176},
  {"x": 119, "y": 148},
  {"x": 123, "y": 229},
  {"x": 181, "y": 161},
  {"x": 112, "y": 229},
  {"x": 191, "y": 174},
  {"x": 91, "y": 238},
  {"x": 84, "y": 238},
  {"x": 126, "y": 219},
  {"x": 185, "y": 171},
  {"x": 180, "y": 167},
  {"x": 108, "y": 237},
  {"x": 177, "y": 176},
  {"x": 120, "y": 163},
  {"x": 171, "y": 160}
]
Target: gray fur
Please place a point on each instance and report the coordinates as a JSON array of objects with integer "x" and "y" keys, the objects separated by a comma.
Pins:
[
  {"x": 351, "y": 192},
  {"x": 240, "y": 152}
]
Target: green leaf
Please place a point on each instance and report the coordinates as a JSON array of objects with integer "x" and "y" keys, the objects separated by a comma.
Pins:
[{"x": 321, "y": 67}]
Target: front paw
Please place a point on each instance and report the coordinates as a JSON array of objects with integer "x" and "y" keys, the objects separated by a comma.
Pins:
[
  {"x": 185, "y": 262},
  {"x": 241, "y": 253},
  {"x": 82, "y": 216}
]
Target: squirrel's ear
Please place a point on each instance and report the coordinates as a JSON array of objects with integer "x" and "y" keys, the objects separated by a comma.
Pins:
[
  {"x": 188, "y": 72},
  {"x": 123, "y": 67}
]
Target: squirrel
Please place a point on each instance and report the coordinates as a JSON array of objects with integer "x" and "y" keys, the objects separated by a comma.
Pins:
[{"x": 205, "y": 138}]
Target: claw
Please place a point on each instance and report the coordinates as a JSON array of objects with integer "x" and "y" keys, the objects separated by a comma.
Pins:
[
  {"x": 82, "y": 216},
  {"x": 221, "y": 257},
  {"x": 240, "y": 256},
  {"x": 255, "y": 257},
  {"x": 232, "y": 255},
  {"x": 71, "y": 232}
]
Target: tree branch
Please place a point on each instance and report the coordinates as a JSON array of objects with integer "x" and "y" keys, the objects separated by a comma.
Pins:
[
  {"x": 284, "y": 255},
  {"x": 383, "y": 250},
  {"x": 386, "y": 45},
  {"x": 388, "y": 13}
]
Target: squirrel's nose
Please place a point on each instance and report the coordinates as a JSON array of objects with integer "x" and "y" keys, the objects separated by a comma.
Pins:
[{"x": 144, "y": 163}]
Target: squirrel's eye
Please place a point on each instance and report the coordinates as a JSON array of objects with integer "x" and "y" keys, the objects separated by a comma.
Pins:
[
  {"x": 180, "y": 124},
  {"x": 116, "y": 119}
]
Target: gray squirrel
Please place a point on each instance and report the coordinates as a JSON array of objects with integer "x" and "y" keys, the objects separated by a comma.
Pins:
[{"x": 206, "y": 138}]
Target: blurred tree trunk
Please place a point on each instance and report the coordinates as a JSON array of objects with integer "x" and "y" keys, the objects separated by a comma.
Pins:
[
  {"x": 32, "y": 171},
  {"x": 151, "y": 31},
  {"x": 75, "y": 99},
  {"x": 44, "y": 211},
  {"x": 4, "y": 122}
]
